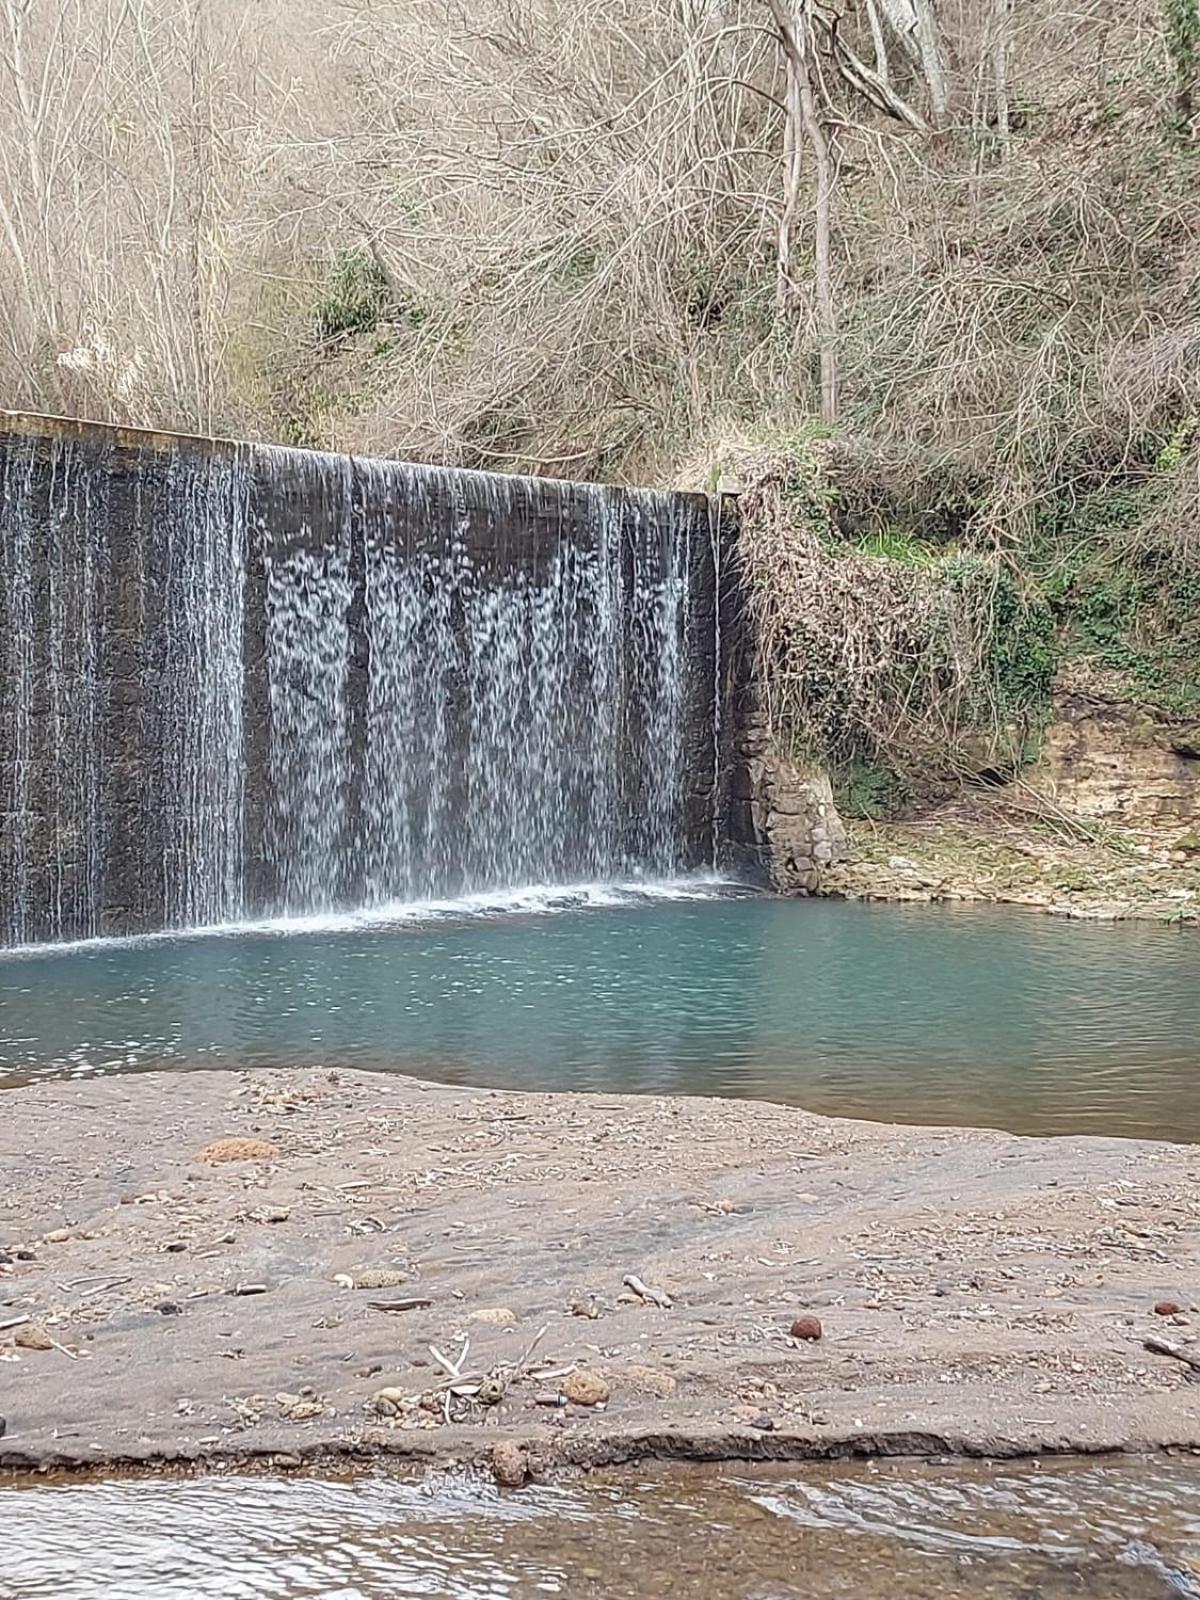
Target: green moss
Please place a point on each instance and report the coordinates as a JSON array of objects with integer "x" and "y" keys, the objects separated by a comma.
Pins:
[
  {"x": 1120, "y": 602},
  {"x": 865, "y": 790},
  {"x": 1022, "y": 650},
  {"x": 898, "y": 544},
  {"x": 1182, "y": 19},
  {"x": 354, "y": 297}
]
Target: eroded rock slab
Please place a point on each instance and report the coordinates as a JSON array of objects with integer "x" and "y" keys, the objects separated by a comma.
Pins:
[{"x": 975, "y": 1292}]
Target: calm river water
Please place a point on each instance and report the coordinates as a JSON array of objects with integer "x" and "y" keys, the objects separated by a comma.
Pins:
[
  {"x": 918, "y": 1014},
  {"x": 893, "y": 1532}
]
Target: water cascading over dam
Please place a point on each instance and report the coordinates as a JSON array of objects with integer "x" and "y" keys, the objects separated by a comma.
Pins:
[{"x": 242, "y": 681}]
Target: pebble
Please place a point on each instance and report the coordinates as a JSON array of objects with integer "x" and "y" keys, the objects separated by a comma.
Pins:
[
  {"x": 389, "y": 1402},
  {"x": 763, "y": 1423},
  {"x": 585, "y": 1388},
  {"x": 649, "y": 1380},
  {"x": 510, "y": 1465},
  {"x": 33, "y": 1337},
  {"x": 1167, "y": 1308},
  {"x": 222, "y": 1150},
  {"x": 299, "y": 1408},
  {"x": 372, "y": 1278},
  {"x": 168, "y": 1308},
  {"x": 807, "y": 1327},
  {"x": 495, "y": 1316}
]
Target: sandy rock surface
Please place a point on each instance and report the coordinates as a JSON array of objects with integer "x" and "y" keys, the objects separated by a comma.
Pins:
[{"x": 396, "y": 1268}]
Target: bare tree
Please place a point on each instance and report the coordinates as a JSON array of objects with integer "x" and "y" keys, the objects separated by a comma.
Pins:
[{"x": 806, "y": 123}]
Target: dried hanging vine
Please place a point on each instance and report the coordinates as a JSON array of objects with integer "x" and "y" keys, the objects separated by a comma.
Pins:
[{"x": 862, "y": 656}]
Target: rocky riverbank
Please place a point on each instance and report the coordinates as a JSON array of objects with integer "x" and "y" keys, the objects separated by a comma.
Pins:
[
  {"x": 302, "y": 1265},
  {"x": 978, "y": 850},
  {"x": 1105, "y": 825}
]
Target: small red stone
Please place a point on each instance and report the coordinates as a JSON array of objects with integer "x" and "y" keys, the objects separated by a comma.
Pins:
[
  {"x": 1167, "y": 1308},
  {"x": 807, "y": 1328}
]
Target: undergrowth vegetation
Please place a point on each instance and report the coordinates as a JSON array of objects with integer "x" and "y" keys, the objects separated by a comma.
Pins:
[
  {"x": 605, "y": 238},
  {"x": 897, "y": 663},
  {"x": 905, "y": 649}
]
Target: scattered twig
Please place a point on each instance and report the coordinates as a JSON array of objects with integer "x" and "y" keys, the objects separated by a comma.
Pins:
[
  {"x": 523, "y": 1363},
  {"x": 547, "y": 1375},
  {"x": 13, "y": 1322},
  {"x": 1164, "y": 1347},
  {"x": 95, "y": 1277},
  {"x": 657, "y": 1297},
  {"x": 103, "y": 1288},
  {"x": 454, "y": 1368},
  {"x": 399, "y": 1305}
]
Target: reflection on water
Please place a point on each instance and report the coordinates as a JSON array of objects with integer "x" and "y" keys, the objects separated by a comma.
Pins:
[
  {"x": 961, "y": 1015},
  {"x": 892, "y": 1532}
]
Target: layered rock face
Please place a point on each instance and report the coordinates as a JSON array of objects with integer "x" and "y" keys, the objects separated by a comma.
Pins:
[{"x": 1108, "y": 761}]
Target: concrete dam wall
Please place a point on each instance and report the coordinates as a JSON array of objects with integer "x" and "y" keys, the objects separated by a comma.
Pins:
[{"x": 240, "y": 681}]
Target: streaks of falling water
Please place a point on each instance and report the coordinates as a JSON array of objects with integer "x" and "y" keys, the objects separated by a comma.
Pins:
[
  {"x": 73, "y": 639},
  {"x": 524, "y": 696},
  {"x": 53, "y": 637},
  {"x": 309, "y": 593},
  {"x": 16, "y": 643},
  {"x": 122, "y": 688},
  {"x": 201, "y": 708},
  {"x": 455, "y": 682}
]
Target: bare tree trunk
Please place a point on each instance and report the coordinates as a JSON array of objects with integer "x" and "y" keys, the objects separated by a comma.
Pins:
[
  {"x": 915, "y": 26},
  {"x": 203, "y": 156},
  {"x": 793, "y": 162},
  {"x": 879, "y": 43},
  {"x": 999, "y": 55},
  {"x": 929, "y": 44},
  {"x": 795, "y": 32},
  {"x": 36, "y": 255}
]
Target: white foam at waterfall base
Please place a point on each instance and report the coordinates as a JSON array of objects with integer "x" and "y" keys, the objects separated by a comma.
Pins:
[
  {"x": 531, "y": 900},
  {"x": 539, "y": 899}
]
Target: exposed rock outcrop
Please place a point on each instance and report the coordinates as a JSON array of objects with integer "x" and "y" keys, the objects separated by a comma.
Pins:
[{"x": 1105, "y": 760}]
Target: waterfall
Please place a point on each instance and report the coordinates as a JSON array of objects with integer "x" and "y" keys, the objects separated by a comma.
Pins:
[
  {"x": 308, "y": 596},
  {"x": 52, "y": 628},
  {"x": 252, "y": 681},
  {"x": 121, "y": 662},
  {"x": 199, "y": 703},
  {"x": 522, "y": 698}
]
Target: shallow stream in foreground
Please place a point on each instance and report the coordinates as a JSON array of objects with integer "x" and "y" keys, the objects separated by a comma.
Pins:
[
  {"x": 896, "y": 1531},
  {"x": 968, "y": 1015}
]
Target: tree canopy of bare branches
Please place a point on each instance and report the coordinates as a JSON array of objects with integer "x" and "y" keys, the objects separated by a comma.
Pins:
[{"x": 587, "y": 237}]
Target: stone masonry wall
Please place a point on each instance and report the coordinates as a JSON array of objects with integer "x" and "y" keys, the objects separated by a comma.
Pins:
[{"x": 790, "y": 830}]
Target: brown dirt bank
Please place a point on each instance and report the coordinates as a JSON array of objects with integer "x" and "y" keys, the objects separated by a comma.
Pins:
[{"x": 980, "y": 1293}]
